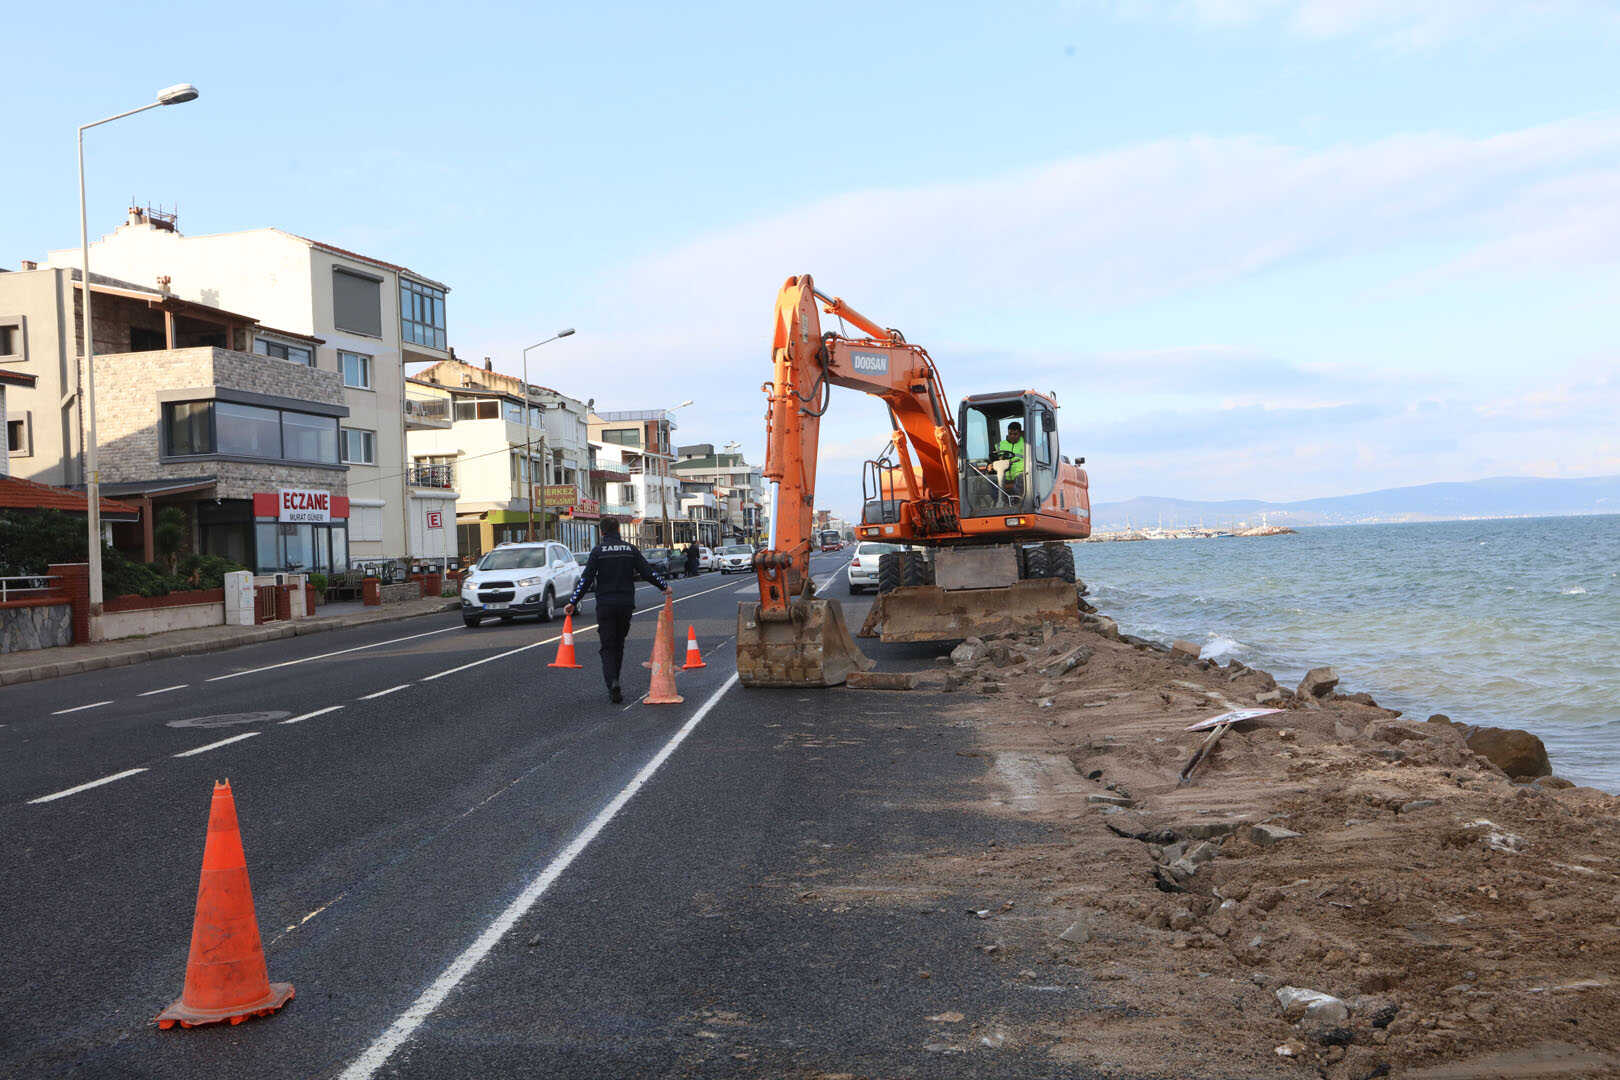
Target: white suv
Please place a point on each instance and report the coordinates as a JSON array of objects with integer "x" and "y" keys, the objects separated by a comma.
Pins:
[{"x": 519, "y": 579}]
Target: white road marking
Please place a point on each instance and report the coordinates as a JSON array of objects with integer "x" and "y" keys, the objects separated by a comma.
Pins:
[
  {"x": 165, "y": 690},
  {"x": 339, "y": 652},
  {"x": 313, "y": 715},
  {"x": 85, "y": 787},
  {"x": 577, "y": 631},
  {"x": 385, "y": 693},
  {"x": 216, "y": 745},
  {"x": 81, "y": 708},
  {"x": 377, "y": 1054}
]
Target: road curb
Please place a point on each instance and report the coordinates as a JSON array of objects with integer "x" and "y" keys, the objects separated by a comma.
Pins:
[{"x": 246, "y": 636}]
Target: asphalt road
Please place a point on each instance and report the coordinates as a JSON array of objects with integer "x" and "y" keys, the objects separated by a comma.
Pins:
[{"x": 470, "y": 864}]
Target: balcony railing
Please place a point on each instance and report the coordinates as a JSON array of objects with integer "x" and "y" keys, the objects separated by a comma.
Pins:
[
  {"x": 432, "y": 476},
  {"x": 434, "y": 411}
]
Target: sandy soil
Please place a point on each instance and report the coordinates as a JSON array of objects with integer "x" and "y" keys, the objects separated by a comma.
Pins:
[{"x": 1469, "y": 924}]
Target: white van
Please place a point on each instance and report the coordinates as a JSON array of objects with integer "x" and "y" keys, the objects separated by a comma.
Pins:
[{"x": 519, "y": 579}]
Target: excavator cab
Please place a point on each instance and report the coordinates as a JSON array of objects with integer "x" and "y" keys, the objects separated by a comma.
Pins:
[{"x": 1009, "y": 453}]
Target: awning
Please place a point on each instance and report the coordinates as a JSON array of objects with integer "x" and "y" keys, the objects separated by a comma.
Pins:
[{"x": 19, "y": 494}]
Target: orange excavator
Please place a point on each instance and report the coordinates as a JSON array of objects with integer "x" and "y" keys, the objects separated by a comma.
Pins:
[{"x": 979, "y": 505}]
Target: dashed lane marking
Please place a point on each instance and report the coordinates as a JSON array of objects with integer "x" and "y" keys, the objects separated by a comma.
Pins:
[
  {"x": 164, "y": 690},
  {"x": 313, "y": 715},
  {"x": 385, "y": 693},
  {"x": 84, "y": 787},
  {"x": 338, "y": 652},
  {"x": 378, "y": 1053},
  {"x": 81, "y": 708},
  {"x": 216, "y": 745}
]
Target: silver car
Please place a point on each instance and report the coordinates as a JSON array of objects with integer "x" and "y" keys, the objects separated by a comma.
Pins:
[{"x": 735, "y": 559}]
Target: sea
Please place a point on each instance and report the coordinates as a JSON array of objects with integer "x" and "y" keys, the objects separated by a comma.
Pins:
[{"x": 1505, "y": 623}]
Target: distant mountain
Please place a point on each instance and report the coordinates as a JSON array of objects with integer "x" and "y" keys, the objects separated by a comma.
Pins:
[{"x": 1501, "y": 496}]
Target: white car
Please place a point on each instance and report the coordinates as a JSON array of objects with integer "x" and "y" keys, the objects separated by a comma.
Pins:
[
  {"x": 735, "y": 559},
  {"x": 863, "y": 567},
  {"x": 519, "y": 579},
  {"x": 706, "y": 559}
]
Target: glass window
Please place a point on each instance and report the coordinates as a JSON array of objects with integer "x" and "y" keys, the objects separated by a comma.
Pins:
[
  {"x": 356, "y": 303},
  {"x": 514, "y": 558},
  {"x": 17, "y": 436},
  {"x": 622, "y": 436},
  {"x": 356, "y": 370},
  {"x": 8, "y": 340},
  {"x": 266, "y": 548},
  {"x": 359, "y": 447},
  {"x": 308, "y": 437},
  {"x": 340, "y": 547},
  {"x": 188, "y": 427},
  {"x": 421, "y": 314},
  {"x": 296, "y": 354},
  {"x": 248, "y": 430},
  {"x": 297, "y": 546},
  {"x": 514, "y": 413}
]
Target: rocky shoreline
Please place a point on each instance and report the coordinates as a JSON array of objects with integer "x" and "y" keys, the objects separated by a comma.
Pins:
[{"x": 1337, "y": 890}]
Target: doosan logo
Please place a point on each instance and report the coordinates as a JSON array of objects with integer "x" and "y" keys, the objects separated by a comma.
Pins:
[{"x": 871, "y": 362}]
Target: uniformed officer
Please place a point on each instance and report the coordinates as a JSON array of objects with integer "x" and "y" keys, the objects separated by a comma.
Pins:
[{"x": 611, "y": 571}]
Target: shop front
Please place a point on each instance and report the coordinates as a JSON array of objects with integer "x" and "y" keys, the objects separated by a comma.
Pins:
[{"x": 299, "y": 530}]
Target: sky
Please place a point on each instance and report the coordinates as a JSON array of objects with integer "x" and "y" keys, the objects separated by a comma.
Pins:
[{"x": 1258, "y": 248}]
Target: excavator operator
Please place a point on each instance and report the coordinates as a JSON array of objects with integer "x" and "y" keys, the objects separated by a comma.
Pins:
[{"x": 1013, "y": 448}]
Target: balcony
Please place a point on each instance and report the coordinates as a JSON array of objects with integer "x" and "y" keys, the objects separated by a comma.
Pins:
[
  {"x": 427, "y": 414},
  {"x": 442, "y": 477}
]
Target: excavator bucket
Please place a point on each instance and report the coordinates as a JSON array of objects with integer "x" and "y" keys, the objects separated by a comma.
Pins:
[
  {"x": 930, "y": 613},
  {"x": 812, "y": 647}
]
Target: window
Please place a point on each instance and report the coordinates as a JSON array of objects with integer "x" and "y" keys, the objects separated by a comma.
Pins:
[
  {"x": 188, "y": 427},
  {"x": 10, "y": 340},
  {"x": 297, "y": 354},
  {"x": 357, "y": 303},
  {"x": 421, "y": 314},
  {"x": 513, "y": 412},
  {"x": 144, "y": 339},
  {"x": 359, "y": 446},
  {"x": 247, "y": 430},
  {"x": 17, "y": 437},
  {"x": 622, "y": 436},
  {"x": 356, "y": 369},
  {"x": 478, "y": 409},
  {"x": 309, "y": 438}
]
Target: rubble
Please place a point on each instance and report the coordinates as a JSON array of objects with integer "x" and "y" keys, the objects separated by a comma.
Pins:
[{"x": 1317, "y": 683}]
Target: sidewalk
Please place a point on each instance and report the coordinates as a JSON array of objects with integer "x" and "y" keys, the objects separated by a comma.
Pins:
[{"x": 72, "y": 659}]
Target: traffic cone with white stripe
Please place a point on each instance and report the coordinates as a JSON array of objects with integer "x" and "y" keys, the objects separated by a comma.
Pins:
[
  {"x": 565, "y": 649},
  {"x": 662, "y": 691},
  {"x": 694, "y": 659}
]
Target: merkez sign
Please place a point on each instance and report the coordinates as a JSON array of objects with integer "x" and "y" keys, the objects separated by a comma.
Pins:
[{"x": 300, "y": 505}]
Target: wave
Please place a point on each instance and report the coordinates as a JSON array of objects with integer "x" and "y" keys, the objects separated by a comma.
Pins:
[
  {"x": 1221, "y": 648},
  {"x": 1573, "y": 590}
]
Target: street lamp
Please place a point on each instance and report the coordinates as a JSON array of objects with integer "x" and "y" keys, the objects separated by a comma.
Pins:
[
  {"x": 528, "y": 457},
  {"x": 663, "y": 488},
  {"x": 169, "y": 95}
]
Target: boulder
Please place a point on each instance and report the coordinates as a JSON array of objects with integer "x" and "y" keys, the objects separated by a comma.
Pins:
[
  {"x": 1318, "y": 683},
  {"x": 1267, "y": 835},
  {"x": 1320, "y": 1009},
  {"x": 967, "y": 653},
  {"x": 1268, "y": 696},
  {"x": 1517, "y": 753},
  {"x": 1185, "y": 650},
  {"x": 1553, "y": 783}
]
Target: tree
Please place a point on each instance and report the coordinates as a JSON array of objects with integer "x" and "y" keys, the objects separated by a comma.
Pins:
[{"x": 169, "y": 535}]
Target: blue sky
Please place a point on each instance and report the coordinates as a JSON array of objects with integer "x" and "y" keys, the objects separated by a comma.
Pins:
[{"x": 1267, "y": 248}]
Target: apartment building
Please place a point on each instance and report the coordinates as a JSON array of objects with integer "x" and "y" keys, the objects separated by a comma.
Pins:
[
  {"x": 505, "y": 493},
  {"x": 244, "y": 444},
  {"x": 649, "y": 502},
  {"x": 739, "y": 488},
  {"x": 362, "y": 319}
]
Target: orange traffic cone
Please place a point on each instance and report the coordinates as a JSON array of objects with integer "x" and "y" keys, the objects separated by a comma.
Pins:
[
  {"x": 226, "y": 977},
  {"x": 565, "y": 650},
  {"x": 663, "y": 660},
  {"x": 694, "y": 659}
]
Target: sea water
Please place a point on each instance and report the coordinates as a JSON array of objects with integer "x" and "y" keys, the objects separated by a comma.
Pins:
[{"x": 1507, "y": 623}]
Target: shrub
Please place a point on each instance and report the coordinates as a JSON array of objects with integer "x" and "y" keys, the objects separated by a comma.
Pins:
[
  {"x": 206, "y": 571},
  {"x": 319, "y": 581},
  {"x": 30, "y": 540}
]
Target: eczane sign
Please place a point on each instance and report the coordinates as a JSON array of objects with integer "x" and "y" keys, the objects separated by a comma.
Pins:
[{"x": 301, "y": 505}]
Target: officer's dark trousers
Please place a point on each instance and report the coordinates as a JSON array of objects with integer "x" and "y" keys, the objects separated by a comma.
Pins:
[{"x": 612, "y": 626}]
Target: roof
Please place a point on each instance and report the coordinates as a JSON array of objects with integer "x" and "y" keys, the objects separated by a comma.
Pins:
[
  {"x": 19, "y": 494},
  {"x": 347, "y": 254},
  {"x": 167, "y": 485},
  {"x": 295, "y": 335},
  {"x": 17, "y": 378}
]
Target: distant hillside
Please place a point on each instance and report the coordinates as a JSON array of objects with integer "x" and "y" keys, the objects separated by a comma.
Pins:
[{"x": 1502, "y": 496}]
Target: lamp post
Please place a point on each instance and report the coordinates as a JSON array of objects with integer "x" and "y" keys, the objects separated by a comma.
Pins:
[
  {"x": 663, "y": 488},
  {"x": 169, "y": 95},
  {"x": 528, "y": 457}
]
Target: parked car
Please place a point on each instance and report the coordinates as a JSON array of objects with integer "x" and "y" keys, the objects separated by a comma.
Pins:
[
  {"x": 519, "y": 579},
  {"x": 659, "y": 559},
  {"x": 736, "y": 559},
  {"x": 706, "y": 559},
  {"x": 863, "y": 567}
]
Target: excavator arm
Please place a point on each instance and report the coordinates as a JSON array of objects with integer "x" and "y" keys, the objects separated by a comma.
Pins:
[{"x": 806, "y": 364}]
